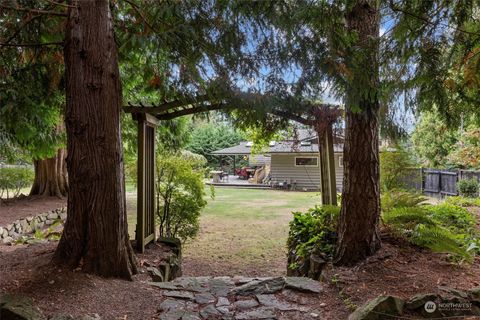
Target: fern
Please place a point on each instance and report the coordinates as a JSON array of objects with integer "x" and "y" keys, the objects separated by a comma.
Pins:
[
  {"x": 408, "y": 217},
  {"x": 453, "y": 217},
  {"x": 401, "y": 199},
  {"x": 463, "y": 202},
  {"x": 422, "y": 226},
  {"x": 439, "y": 239}
]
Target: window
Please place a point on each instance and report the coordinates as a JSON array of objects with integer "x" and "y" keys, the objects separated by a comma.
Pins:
[
  {"x": 306, "y": 161},
  {"x": 340, "y": 161}
]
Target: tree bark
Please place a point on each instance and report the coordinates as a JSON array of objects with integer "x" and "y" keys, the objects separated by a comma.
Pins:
[
  {"x": 51, "y": 176},
  {"x": 95, "y": 235},
  {"x": 359, "y": 216}
]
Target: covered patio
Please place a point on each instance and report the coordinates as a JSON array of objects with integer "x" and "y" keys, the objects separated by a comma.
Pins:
[{"x": 237, "y": 172}]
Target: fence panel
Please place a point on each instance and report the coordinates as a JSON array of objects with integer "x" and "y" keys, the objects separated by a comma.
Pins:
[
  {"x": 431, "y": 183},
  {"x": 448, "y": 183},
  {"x": 439, "y": 182},
  {"x": 413, "y": 179},
  {"x": 469, "y": 174}
]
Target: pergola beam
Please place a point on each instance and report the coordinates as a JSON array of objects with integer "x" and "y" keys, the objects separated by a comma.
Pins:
[
  {"x": 318, "y": 113},
  {"x": 165, "y": 107}
]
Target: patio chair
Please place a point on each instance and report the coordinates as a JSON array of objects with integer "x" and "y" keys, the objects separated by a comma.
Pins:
[{"x": 224, "y": 176}]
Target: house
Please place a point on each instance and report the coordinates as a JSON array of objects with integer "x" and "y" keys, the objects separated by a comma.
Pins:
[{"x": 293, "y": 161}]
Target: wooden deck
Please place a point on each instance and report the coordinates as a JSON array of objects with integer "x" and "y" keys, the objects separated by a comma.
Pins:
[{"x": 235, "y": 182}]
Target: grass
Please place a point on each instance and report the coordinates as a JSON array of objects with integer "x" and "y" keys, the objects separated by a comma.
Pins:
[{"x": 242, "y": 231}]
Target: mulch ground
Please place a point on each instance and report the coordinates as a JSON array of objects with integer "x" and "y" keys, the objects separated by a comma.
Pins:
[
  {"x": 402, "y": 270},
  {"x": 14, "y": 209},
  {"x": 397, "y": 269}
]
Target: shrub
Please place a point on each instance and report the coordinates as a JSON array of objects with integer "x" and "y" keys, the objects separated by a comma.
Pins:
[
  {"x": 180, "y": 197},
  {"x": 463, "y": 202},
  {"x": 468, "y": 187},
  {"x": 395, "y": 169},
  {"x": 419, "y": 227},
  {"x": 314, "y": 230},
  {"x": 13, "y": 179},
  {"x": 452, "y": 217},
  {"x": 441, "y": 228}
]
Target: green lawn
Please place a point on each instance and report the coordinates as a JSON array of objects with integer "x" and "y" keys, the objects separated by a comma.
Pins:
[{"x": 242, "y": 231}]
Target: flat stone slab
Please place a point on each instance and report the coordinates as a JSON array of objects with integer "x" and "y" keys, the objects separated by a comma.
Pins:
[
  {"x": 210, "y": 312},
  {"x": 238, "y": 298},
  {"x": 179, "y": 294},
  {"x": 270, "y": 300},
  {"x": 221, "y": 287},
  {"x": 204, "y": 298},
  {"x": 246, "y": 304},
  {"x": 270, "y": 285},
  {"x": 257, "y": 314},
  {"x": 303, "y": 284},
  {"x": 222, "y": 302},
  {"x": 197, "y": 284},
  {"x": 169, "y": 304},
  {"x": 165, "y": 285}
]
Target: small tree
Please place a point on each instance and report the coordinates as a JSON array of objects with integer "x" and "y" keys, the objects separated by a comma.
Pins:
[
  {"x": 180, "y": 195},
  {"x": 395, "y": 168},
  {"x": 433, "y": 140},
  {"x": 211, "y": 137},
  {"x": 13, "y": 179}
]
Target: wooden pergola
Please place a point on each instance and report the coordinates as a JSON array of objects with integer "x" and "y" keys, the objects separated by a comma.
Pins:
[{"x": 321, "y": 117}]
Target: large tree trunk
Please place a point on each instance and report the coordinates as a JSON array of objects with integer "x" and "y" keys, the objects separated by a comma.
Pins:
[
  {"x": 51, "y": 176},
  {"x": 95, "y": 235},
  {"x": 358, "y": 226}
]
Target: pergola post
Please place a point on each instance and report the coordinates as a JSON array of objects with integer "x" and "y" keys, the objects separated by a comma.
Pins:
[
  {"x": 145, "y": 229},
  {"x": 327, "y": 166}
]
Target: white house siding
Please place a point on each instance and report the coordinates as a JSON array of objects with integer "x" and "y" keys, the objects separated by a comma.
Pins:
[
  {"x": 339, "y": 172},
  {"x": 283, "y": 169}
]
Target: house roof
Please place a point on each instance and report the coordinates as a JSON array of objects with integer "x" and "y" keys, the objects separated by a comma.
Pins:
[{"x": 278, "y": 148}]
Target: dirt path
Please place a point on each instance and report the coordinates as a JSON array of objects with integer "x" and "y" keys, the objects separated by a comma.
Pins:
[{"x": 28, "y": 206}]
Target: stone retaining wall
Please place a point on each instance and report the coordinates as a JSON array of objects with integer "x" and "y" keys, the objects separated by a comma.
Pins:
[{"x": 29, "y": 225}]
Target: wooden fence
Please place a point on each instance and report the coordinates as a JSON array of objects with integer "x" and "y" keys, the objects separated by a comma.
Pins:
[{"x": 438, "y": 183}]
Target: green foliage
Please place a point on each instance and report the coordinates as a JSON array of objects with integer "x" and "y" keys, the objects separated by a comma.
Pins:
[
  {"x": 13, "y": 179},
  {"x": 31, "y": 83},
  {"x": 433, "y": 140},
  {"x": 467, "y": 151},
  {"x": 463, "y": 202},
  {"x": 395, "y": 167},
  {"x": 180, "y": 195},
  {"x": 441, "y": 228},
  {"x": 49, "y": 234},
  {"x": 313, "y": 230},
  {"x": 468, "y": 187},
  {"x": 452, "y": 217},
  {"x": 211, "y": 137},
  {"x": 400, "y": 199}
]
